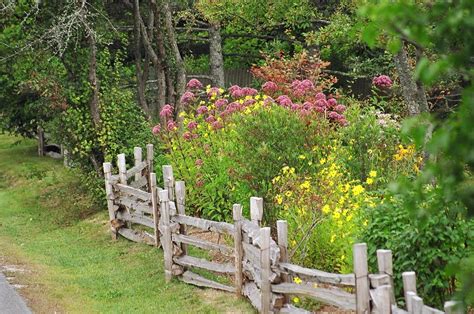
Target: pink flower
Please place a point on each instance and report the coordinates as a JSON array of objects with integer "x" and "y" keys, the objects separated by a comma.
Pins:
[
  {"x": 340, "y": 108},
  {"x": 166, "y": 111},
  {"x": 295, "y": 107},
  {"x": 320, "y": 109},
  {"x": 214, "y": 91},
  {"x": 156, "y": 129},
  {"x": 233, "y": 88},
  {"x": 332, "y": 102},
  {"x": 216, "y": 125},
  {"x": 302, "y": 87},
  {"x": 382, "y": 81},
  {"x": 249, "y": 91},
  {"x": 187, "y": 98},
  {"x": 249, "y": 102},
  {"x": 342, "y": 121},
  {"x": 237, "y": 93},
  {"x": 199, "y": 162},
  {"x": 320, "y": 96},
  {"x": 201, "y": 110},
  {"x": 321, "y": 103},
  {"x": 188, "y": 136},
  {"x": 307, "y": 105},
  {"x": 268, "y": 101},
  {"x": 210, "y": 119},
  {"x": 192, "y": 125},
  {"x": 172, "y": 126},
  {"x": 269, "y": 87},
  {"x": 221, "y": 103},
  {"x": 284, "y": 101},
  {"x": 334, "y": 115},
  {"x": 194, "y": 84}
]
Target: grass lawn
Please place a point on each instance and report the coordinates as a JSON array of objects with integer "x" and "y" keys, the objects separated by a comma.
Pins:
[{"x": 49, "y": 227}]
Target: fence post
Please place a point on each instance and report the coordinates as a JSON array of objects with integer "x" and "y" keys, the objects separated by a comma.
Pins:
[
  {"x": 265, "y": 285},
  {"x": 109, "y": 194},
  {"x": 282, "y": 232},
  {"x": 256, "y": 209},
  {"x": 180, "y": 207},
  {"x": 40, "y": 141},
  {"x": 361, "y": 277},
  {"x": 381, "y": 300},
  {"x": 237, "y": 216},
  {"x": 122, "y": 167},
  {"x": 453, "y": 307},
  {"x": 154, "y": 204},
  {"x": 168, "y": 181},
  {"x": 416, "y": 303},
  {"x": 149, "y": 163},
  {"x": 166, "y": 242},
  {"x": 137, "y": 154},
  {"x": 385, "y": 265},
  {"x": 409, "y": 285}
]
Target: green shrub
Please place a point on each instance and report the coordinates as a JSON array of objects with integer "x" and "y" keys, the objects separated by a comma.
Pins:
[{"x": 424, "y": 246}]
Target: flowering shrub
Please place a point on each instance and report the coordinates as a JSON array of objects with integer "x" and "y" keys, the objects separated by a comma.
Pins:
[{"x": 382, "y": 81}]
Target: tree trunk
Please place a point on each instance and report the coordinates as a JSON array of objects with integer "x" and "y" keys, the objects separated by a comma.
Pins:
[
  {"x": 215, "y": 54},
  {"x": 141, "y": 78},
  {"x": 94, "y": 82},
  {"x": 413, "y": 92},
  {"x": 160, "y": 43},
  {"x": 180, "y": 71}
]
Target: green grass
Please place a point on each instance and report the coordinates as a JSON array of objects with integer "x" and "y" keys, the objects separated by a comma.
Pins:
[{"x": 49, "y": 226}]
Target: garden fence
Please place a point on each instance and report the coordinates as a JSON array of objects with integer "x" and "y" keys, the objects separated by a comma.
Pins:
[{"x": 261, "y": 271}]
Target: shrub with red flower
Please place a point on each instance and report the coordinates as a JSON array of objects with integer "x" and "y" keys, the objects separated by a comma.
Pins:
[
  {"x": 194, "y": 84},
  {"x": 382, "y": 81}
]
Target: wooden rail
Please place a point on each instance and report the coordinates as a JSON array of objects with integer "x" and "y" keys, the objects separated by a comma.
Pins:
[{"x": 260, "y": 269}]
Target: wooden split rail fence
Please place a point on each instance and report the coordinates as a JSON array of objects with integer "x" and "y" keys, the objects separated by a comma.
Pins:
[{"x": 260, "y": 268}]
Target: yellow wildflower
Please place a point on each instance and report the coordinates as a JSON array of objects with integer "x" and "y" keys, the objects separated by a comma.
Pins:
[
  {"x": 326, "y": 209},
  {"x": 305, "y": 185},
  {"x": 292, "y": 170},
  {"x": 297, "y": 280},
  {"x": 288, "y": 193},
  {"x": 369, "y": 181},
  {"x": 296, "y": 300},
  {"x": 276, "y": 179},
  {"x": 279, "y": 199},
  {"x": 322, "y": 161},
  {"x": 302, "y": 157},
  {"x": 182, "y": 114},
  {"x": 365, "y": 223},
  {"x": 358, "y": 189},
  {"x": 333, "y": 237},
  {"x": 336, "y": 215},
  {"x": 373, "y": 174}
]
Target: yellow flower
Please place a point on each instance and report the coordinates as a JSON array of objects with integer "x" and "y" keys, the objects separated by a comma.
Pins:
[
  {"x": 288, "y": 193},
  {"x": 182, "y": 114},
  {"x": 292, "y": 170},
  {"x": 358, "y": 189},
  {"x": 373, "y": 174},
  {"x": 365, "y": 223},
  {"x": 333, "y": 237},
  {"x": 369, "y": 180},
  {"x": 326, "y": 209},
  {"x": 310, "y": 163},
  {"x": 297, "y": 280},
  {"x": 276, "y": 179},
  {"x": 296, "y": 300},
  {"x": 305, "y": 185},
  {"x": 336, "y": 215},
  {"x": 302, "y": 157},
  {"x": 293, "y": 242},
  {"x": 322, "y": 161},
  {"x": 279, "y": 199}
]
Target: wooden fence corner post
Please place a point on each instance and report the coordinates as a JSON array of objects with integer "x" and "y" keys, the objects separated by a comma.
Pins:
[
  {"x": 122, "y": 167},
  {"x": 361, "y": 277},
  {"x": 154, "y": 204},
  {"x": 168, "y": 181},
  {"x": 137, "y": 155},
  {"x": 282, "y": 233},
  {"x": 166, "y": 242},
  {"x": 409, "y": 285},
  {"x": 180, "y": 188},
  {"x": 109, "y": 194},
  {"x": 237, "y": 216},
  {"x": 385, "y": 266},
  {"x": 381, "y": 300},
  {"x": 256, "y": 209},
  {"x": 149, "y": 163},
  {"x": 265, "y": 285}
]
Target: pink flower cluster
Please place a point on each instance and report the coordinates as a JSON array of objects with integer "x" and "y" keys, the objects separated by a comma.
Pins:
[
  {"x": 239, "y": 92},
  {"x": 301, "y": 88},
  {"x": 194, "y": 84},
  {"x": 382, "y": 81},
  {"x": 187, "y": 98},
  {"x": 166, "y": 111}
]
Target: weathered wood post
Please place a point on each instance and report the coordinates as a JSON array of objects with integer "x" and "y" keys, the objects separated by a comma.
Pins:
[
  {"x": 122, "y": 167},
  {"x": 385, "y": 265},
  {"x": 416, "y": 303},
  {"x": 256, "y": 209},
  {"x": 381, "y": 300},
  {"x": 237, "y": 215},
  {"x": 181, "y": 208},
  {"x": 40, "y": 141},
  {"x": 109, "y": 194},
  {"x": 137, "y": 155},
  {"x": 453, "y": 307},
  {"x": 361, "y": 277},
  {"x": 154, "y": 205},
  {"x": 265, "y": 285},
  {"x": 168, "y": 181},
  {"x": 409, "y": 285},
  {"x": 149, "y": 163},
  {"x": 166, "y": 242},
  {"x": 282, "y": 233}
]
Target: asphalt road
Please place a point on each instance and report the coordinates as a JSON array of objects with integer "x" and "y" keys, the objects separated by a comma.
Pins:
[{"x": 10, "y": 300}]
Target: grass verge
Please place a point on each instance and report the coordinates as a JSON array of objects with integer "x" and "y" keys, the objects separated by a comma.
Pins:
[{"x": 49, "y": 227}]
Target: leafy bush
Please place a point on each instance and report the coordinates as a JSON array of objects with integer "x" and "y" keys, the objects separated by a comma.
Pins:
[{"x": 425, "y": 246}]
